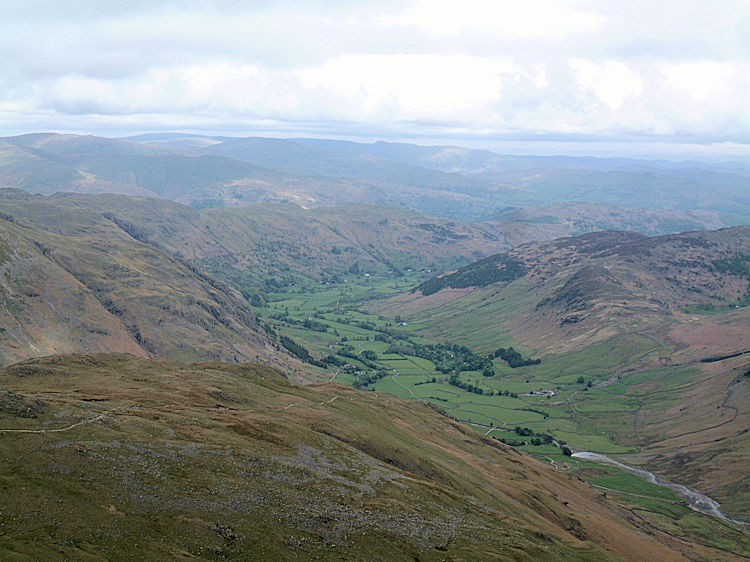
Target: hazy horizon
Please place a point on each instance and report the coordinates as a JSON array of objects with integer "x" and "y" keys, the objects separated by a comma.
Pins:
[
  {"x": 650, "y": 79},
  {"x": 709, "y": 153}
]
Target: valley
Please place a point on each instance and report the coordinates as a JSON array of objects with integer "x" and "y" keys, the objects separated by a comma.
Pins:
[
  {"x": 369, "y": 281},
  {"x": 533, "y": 335},
  {"x": 644, "y": 396}
]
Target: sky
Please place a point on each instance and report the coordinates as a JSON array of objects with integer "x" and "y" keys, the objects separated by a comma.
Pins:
[{"x": 637, "y": 76}]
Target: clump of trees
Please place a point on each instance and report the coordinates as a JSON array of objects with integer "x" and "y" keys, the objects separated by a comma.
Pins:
[
  {"x": 537, "y": 439},
  {"x": 448, "y": 358},
  {"x": 514, "y": 359},
  {"x": 366, "y": 379},
  {"x": 738, "y": 265},
  {"x": 300, "y": 352},
  {"x": 479, "y": 274},
  {"x": 467, "y": 386}
]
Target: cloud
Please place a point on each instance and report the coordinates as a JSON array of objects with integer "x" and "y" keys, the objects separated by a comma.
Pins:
[
  {"x": 529, "y": 19},
  {"x": 612, "y": 82},
  {"x": 485, "y": 68},
  {"x": 704, "y": 80},
  {"x": 410, "y": 87}
]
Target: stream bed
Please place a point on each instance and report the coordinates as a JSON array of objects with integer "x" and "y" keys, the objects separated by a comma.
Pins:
[{"x": 696, "y": 500}]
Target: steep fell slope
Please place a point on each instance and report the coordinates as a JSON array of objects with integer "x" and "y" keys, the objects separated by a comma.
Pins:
[
  {"x": 113, "y": 293},
  {"x": 251, "y": 244},
  {"x": 128, "y": 457}
]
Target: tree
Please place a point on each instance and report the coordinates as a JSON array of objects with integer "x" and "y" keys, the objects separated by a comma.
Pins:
[{"x": 258, "y": 300}]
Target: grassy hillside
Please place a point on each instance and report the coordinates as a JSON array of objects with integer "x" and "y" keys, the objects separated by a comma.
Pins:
[
  {"x": 128, "y": 457},
  {"x": 673, "y": 392}
]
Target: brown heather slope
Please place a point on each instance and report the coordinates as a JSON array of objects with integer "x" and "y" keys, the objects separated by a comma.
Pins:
[
  {"x": 116, "y": 456},
  {"x": 249, "y": 245},
  {"x": 112, "y": 293},
  {"x": 697, "y": 433},
  {"x": 576, "y": 291}
]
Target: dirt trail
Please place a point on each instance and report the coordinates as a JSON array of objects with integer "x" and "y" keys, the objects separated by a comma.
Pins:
[
  {"x": 490, "y": 430},
  {"x": 402, "y": 386},
  {"x": 132, "y": 408},
  {"x": 59, "y": 430}
]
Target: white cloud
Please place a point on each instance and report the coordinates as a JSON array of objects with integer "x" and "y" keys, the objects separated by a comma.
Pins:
[
  {"x": 706, "y": 80},
  {"x": 411, "y": 87},
  {"x": 612, "y": 82},
  {"x": 352, "y": 87},
  {"x": 507, "y": 18},
  {"x": 219, "y": 88},
  {"x": 478, "y": 67}
]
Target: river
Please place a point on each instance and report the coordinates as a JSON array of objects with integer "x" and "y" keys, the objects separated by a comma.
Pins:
[{"x": 696, "y": 500}]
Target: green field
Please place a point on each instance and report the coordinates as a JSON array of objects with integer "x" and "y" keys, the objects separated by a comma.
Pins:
[{"x": 578, "y": 413}]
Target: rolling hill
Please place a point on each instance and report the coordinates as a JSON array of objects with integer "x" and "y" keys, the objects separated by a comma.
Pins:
[
  {"x": 577, "y": 217},
  {"x": 443, "y": 181},
  {"x": 248, "y": 245},
  {"x": 619, "y": 281},
  {"x": 50, "y": 163}
]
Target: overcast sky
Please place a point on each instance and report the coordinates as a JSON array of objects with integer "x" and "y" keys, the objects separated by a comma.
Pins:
[{"x": 642, "y": 72}]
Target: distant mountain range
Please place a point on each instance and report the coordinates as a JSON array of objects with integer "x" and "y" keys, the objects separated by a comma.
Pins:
[{"x": 443, "y": 181}]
